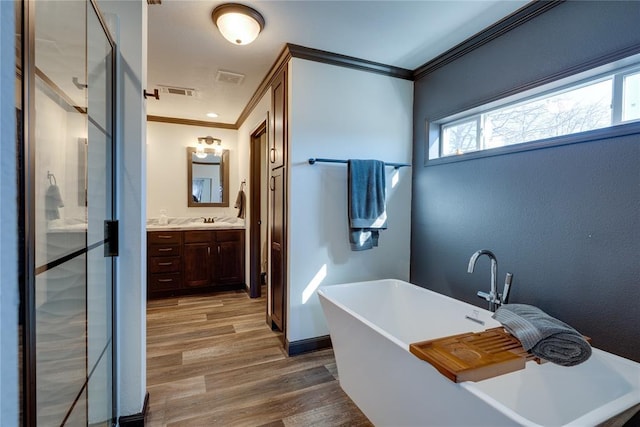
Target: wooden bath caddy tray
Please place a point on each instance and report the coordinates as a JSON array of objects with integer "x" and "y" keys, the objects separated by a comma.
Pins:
[{"x": 474, "y": 356}]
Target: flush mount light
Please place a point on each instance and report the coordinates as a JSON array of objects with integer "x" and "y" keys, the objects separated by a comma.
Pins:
[
  {"x": 212, "y": 115},
  {"x": 238, "y": 23}
]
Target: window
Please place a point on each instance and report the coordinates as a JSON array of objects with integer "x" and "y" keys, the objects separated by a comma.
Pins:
[
  {"x": 631, "y": 97},
  {"x": 597, "y": 102}
]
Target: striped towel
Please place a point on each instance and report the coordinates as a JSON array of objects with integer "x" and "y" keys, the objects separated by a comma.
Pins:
[{"x": 543, "y": 335}]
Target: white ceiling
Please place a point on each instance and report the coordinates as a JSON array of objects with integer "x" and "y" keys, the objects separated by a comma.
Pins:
[{"x": 186, "y": 50}]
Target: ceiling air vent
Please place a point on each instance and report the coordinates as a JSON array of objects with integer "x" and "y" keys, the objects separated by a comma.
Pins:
[
  {"x": 174, "y": 90},
  {"x": 229, "y": 77}
]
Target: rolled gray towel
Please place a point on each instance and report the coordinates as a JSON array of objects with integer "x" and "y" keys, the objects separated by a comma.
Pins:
[{"x": 543, "y": 335}]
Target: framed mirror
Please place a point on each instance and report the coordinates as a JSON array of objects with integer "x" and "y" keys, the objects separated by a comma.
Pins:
[{"x": 207, "y": 178}]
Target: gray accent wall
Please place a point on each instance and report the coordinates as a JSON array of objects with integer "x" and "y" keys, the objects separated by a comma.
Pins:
[{"x": 565, "y": 220}]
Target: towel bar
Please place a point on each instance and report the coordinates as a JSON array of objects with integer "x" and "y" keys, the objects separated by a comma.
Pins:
[{"x": 394, "y": 165}]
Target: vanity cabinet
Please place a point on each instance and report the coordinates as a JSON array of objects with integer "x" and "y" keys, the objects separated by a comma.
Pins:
[
  {"x": 229, "y": 266},
  {"x": 164, "y": 266},
  {"x": 198, "y": 265},
  {"x": 191, "y": 261}
]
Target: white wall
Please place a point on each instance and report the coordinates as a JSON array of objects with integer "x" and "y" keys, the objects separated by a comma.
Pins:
[
  {"x": 342, "y": 113},
  {"x": 9, "y": 230},
  {"x": 128, "y": 23},
  {"x": 167, "y": 169}
]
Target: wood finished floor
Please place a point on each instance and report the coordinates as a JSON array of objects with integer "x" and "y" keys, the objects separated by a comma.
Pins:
[{"x": 213, "y": 361}]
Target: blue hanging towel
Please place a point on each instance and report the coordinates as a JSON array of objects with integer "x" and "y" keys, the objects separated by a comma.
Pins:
[{"x": 366, "y": 201}]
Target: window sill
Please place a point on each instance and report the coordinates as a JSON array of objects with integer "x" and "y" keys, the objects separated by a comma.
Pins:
[{"x": 576, "y": 138}]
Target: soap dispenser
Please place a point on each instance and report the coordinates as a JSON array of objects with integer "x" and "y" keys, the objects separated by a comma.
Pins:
[{"x": 163, "y": 217}]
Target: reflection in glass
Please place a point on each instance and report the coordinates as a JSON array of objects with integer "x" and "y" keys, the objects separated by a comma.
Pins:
[
  {"x": 61, "y": 339},
  {"x": 73, "y": 198},
  {"x": 208, "y": 177}
]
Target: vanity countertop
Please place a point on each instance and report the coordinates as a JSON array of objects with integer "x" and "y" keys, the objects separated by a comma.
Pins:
[
  {"x": 187, "y": 224},
  {"x": 195, "y": 226}
]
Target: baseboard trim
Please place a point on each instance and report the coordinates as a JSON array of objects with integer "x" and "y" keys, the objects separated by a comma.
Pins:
[
  {"x": 305, "y": 346},
  {"x": 200, "y": 290},
  {"x": 135, "y": 420}
]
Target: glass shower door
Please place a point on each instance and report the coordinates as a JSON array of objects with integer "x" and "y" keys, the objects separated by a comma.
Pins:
[
  {"x": 72, "y": 167},
  {"x": 99, "y": 178}
]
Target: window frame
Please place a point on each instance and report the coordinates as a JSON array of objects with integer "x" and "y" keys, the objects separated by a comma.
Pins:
[{"x": 617, "y": 71}]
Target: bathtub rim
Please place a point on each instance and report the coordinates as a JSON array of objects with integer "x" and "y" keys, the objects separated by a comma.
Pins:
[
  {"x": 595, "y": 416},
  {"x": 397, "y": 341}
]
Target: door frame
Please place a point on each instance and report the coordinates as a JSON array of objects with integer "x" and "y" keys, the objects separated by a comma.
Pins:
[
  {"x": 26, "y": 170},
  {"x": 255, "y": 211}
]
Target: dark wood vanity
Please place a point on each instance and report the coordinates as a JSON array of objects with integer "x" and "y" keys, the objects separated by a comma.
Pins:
[{"x": 194, "y": 261}]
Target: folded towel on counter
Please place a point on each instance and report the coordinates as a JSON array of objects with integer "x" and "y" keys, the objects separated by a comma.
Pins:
[
  {"x": 366, "y": 201},
  {"x": 543, "y": 335},
  {"x": 241, "y": 201}
]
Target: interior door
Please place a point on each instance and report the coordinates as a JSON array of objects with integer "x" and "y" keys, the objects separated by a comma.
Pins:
[
  {"x": 69, "y": 193},
  {"x": 277, "y": 249},
  {"x": 278, "y": 160}
]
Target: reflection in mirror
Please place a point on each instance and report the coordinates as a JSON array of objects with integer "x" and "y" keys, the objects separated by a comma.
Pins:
[{"x": 208, "y": 178}]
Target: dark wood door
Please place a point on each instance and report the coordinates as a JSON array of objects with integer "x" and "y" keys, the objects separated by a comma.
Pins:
[
  {"x": 279, "y": 99},
  {"x": 197, "y": 264},
  {"x": 278, "y": 276},
  {"x": 230, "y": 257}
]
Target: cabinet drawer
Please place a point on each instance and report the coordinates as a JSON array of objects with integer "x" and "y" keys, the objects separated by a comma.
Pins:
[
  {"x": 164, "y": 264},
  {"x": 165, "y": 237},
  {"x": 197, "y": 236},
  {"x": 164, "y": 281},
  {"x": 164, "y": 250},
  {"x": 229, "y": 235}
]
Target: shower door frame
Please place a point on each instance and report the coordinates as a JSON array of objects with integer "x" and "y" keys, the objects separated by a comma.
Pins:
[{"x": 27, "y": 202}]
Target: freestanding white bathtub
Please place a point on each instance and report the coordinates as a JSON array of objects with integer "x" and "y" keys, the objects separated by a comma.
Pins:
[{"x": 372, "y": 324}]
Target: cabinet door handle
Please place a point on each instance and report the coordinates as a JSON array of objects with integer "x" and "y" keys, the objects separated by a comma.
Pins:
[
  {"x": 165, "y": 249},
  {"x": 272, "y": 155},
  {"x": 165, "y": 280},
  {"x": 218, "y": 249},
  {"x": 272, "y": 183},
  {"x": 165, "y": 263},
  {"x": 164, "y": 237},
  {"x": 208, "y": 250}
]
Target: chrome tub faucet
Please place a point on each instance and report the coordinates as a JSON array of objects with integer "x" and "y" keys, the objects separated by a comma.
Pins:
[{"x": 494, "y": 298}]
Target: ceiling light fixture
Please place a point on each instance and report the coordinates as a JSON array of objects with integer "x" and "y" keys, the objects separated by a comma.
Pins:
[
  {"x": 238, "y": 23},
  {"x": 217, "y": 150},
  {"x": 212, "y": 115}
]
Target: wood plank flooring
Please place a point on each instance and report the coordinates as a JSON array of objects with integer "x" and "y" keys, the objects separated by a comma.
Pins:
[{"x": 213, "y": 361}]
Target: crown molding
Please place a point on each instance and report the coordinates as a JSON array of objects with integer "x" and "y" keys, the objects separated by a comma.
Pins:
[
  {"x": 348, "y": 62},
  {"x": 190, "y": 122},
  {"x": 514, "y": 20},
  {"x": 280, "y": 62}
]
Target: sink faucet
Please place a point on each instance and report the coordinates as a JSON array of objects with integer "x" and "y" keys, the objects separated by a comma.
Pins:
[{"x": 493, "y": 297}]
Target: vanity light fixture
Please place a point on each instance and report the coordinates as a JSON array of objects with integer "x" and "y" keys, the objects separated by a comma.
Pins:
[
  {"x": 217, "y": 150},
  {"x": 238, "y": 23}
]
